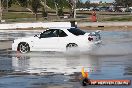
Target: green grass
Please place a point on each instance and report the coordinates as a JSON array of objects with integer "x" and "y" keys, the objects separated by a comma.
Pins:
[
  {"x": 124, "y": 18},
  {"x": 17, "y": 15}
]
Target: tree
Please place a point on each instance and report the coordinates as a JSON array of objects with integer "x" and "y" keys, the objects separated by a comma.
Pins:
[
  {"x": 35, "y": 4},
  {"x": 44, "y": 13},
  {"x": 87, "y": 4},
  {"x": 50, "y": 3},
  {"x": 0, "y": 10},
  {"x": 60, "y": 5},
  {"x": 6, "y": 3},
  {"x": 73, "y": 4},
  {"x": 23, "y": 3},
  {"x": 44, "y": 4},
  {"x": 80, "y": 4},
  {"x": 44, "y": 7},
  {"x": 124, "y": 3}
]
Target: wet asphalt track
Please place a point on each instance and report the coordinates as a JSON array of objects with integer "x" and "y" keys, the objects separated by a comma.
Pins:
[{"x": 111, "y": 60}]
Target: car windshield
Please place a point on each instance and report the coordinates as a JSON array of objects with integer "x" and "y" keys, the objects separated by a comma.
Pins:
[{"x": 76, "y": 31}]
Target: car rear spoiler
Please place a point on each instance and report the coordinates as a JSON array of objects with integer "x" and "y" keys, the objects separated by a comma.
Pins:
[
  {"x": 98, "y": 31},
  {"x": 95, "y": 33}
]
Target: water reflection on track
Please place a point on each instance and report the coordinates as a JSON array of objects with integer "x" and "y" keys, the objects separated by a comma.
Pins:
[
  {"x": 98, "y": 66},
  {"x": 56, "y": 63}
]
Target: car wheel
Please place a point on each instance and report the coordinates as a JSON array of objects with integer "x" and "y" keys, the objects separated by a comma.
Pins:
[
  {"x": 71, "y": 45},
  {"x": 23, "y": 47}
]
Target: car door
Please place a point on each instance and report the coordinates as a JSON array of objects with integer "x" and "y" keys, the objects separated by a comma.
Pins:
[
  {"x": 48, "y": 40},
  {"x": 63, "y": 39}
]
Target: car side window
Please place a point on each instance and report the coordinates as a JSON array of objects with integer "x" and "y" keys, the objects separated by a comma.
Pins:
[
  {"x": 49, "y": 33},
  {"x": 62, "y": 33}
]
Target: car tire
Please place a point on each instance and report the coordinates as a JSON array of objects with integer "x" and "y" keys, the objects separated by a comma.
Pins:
[
  {"x": 23, "y": 47},
  {"x": 71, "y": 45}
]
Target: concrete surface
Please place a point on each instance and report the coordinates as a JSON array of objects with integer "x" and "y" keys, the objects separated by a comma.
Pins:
[{"x": 105, "y": 24}]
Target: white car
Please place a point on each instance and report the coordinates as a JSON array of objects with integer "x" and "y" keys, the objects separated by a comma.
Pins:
[{"x": 57, "y": 39}]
